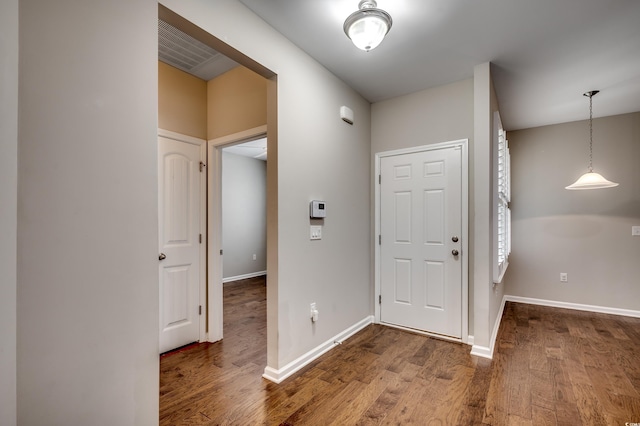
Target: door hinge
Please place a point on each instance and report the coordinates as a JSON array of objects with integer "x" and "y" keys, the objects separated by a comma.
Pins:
[
  {"x": 220, "y": 252},
  {"x": 380, "y": 239},
  {"x": 200, "y": 238},
  {"x": 380, "y": 179},
  {"x": 200, "y": 310},
  {"x": 380, "y": 299},
  {"x": 202, "y": 166}
]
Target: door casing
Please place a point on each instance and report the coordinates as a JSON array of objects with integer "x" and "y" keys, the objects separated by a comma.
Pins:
[
  {"x": 214, "y": 219},
  {"x": 463, "y": 144}
]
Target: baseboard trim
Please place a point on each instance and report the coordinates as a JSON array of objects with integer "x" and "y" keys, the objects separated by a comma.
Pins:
[
  {"x": 484, "y": 351},
  {"x": 278, "y": 375},
  {"x": 575, "y": 306},
  {"x": 470, "y": 340},
  {"x": 244, "y": 276}
]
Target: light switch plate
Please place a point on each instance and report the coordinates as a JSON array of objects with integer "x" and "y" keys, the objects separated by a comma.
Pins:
[
  {"x": 635, "y": 231},
  {"x": 316, "y": 232}
]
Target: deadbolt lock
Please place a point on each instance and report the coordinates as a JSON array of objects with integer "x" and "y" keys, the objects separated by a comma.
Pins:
[{"x": 454, "y": 239}]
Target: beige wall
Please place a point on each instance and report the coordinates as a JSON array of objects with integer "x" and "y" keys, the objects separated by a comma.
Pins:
[
  {"x": 586, "y": 234},
  {"x": 8, "y": 207},
  {"x": 487, "y": 297},
  {"x": 237, "y": 101},
  {"x": 182, "y": 102},
  {"x": 430, "y": 116},
  {"x": 87, "y": 302},
  {"x": 244, "y": 209}
]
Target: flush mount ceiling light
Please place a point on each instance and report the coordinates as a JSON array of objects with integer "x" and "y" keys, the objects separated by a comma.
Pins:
[
  {"x": 367, "y": 27},
  {"x": 591, "y": 179}
]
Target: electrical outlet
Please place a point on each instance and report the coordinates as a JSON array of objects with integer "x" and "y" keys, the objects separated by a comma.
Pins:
[
  {"x": 314, "y": 312},
  {"x": 635, "y": 231},
  {"x": 564, "y": 277},
  {"x": 254, "y": 257}
]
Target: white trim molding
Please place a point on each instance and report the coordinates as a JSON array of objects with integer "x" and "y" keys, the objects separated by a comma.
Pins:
[
  {"x": 214, "y": 222},
  {"x": 244, "y": 276},
  {"x": 487, "y": 352},
  {"x": 277, "y": 376},
  {"x": 575, "y": 306},
  {"x": 180, "y": 137}
]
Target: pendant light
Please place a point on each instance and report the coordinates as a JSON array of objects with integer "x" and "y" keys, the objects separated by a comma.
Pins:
[
  {"x": 591, "y": 179},
  {"x": 368, "y": 26}
]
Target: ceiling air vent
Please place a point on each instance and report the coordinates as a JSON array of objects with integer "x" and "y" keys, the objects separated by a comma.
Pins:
[{"x": 184, "y": 52}]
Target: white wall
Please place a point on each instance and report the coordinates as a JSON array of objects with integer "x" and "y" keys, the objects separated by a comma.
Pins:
[
  {"x": 487, "y": 297},
  {"x": 430, "y": 116},
  {"x": 87, "y": 214},
  {"x": 8, "y": 206},
  {"x": 319, "y": 157},
  {"x": 439, "y": 114},
  {"x": 244, "y": 211},
  {"x": 586, "y": 234}
]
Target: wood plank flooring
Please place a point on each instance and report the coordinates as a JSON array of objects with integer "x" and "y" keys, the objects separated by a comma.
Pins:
[{"x": 551, "y": 367}]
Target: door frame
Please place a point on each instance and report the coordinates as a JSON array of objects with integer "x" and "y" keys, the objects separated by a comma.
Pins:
[
  {"x": 463, "y": 145},
  {"x": 202, "y": 296},
  {"x": 215, "y": 297}
]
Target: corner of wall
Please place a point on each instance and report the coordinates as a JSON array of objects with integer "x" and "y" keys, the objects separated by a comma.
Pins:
[{"x": 8, "y": 213}]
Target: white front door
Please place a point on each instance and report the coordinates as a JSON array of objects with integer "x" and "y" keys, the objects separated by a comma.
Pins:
[
  {"x": 179, "y": 223},
  {"x": 421, "y": 225}
]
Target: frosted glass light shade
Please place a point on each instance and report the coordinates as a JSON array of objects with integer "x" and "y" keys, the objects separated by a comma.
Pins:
[
  {"x": 591, "y": 180},
  {"x": 368, "y": 32},
  {"x": 368, "y": 26}
]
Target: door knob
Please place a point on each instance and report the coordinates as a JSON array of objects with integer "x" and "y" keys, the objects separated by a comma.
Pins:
[
  {"x": 455, "y": 252},
  {"x": 162, "y": 256},
  {"x": 454, "y": 239}
]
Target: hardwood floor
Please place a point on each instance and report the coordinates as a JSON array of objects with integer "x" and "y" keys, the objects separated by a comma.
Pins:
[{"x": 551, "y": 366}]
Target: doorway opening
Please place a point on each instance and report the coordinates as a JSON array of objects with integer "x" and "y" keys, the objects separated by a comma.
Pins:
[
  {"x": 216, "y": 221},
  {"x": 213, "y": 308}
]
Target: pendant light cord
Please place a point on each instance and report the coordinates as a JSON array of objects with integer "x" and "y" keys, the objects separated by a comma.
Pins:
[{"x": 591, "y": 132}]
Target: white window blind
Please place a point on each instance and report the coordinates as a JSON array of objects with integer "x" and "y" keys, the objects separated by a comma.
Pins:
[{"x": 502, "y": 212}]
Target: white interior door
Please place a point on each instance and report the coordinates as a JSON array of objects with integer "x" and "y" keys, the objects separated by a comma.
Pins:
[
  {"x": 179, "y": 234},
  {"x": 421, "y": 224}
]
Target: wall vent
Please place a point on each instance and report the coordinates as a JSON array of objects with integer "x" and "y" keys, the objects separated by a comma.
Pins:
[{"x": 184, "y": 52}]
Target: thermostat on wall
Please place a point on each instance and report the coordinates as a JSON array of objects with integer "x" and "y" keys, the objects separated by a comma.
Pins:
[{"x": 317, "y": 209}]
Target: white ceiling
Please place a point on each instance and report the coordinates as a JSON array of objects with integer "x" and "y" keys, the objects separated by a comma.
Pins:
[
  {"x": 255, "y": 149},
  {"x": 546, "y": 53}
]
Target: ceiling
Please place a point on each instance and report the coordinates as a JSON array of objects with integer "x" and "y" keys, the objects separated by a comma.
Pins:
[
  {"x": 545, "y": 53},
  {"x": 255, "y": 149}
]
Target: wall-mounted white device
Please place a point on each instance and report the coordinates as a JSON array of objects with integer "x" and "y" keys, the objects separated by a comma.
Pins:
[
  {"x": 346, "y": 114},
  {"x": 317, "y": 209}
]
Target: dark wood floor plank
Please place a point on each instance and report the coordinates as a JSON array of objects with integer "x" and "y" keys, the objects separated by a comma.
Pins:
[
  {"x": 350, "y": 410},
  {"x": 402, "y": 411},
  {"x": 550, "y": 367},
  {"x": 389, "y": 398}
]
